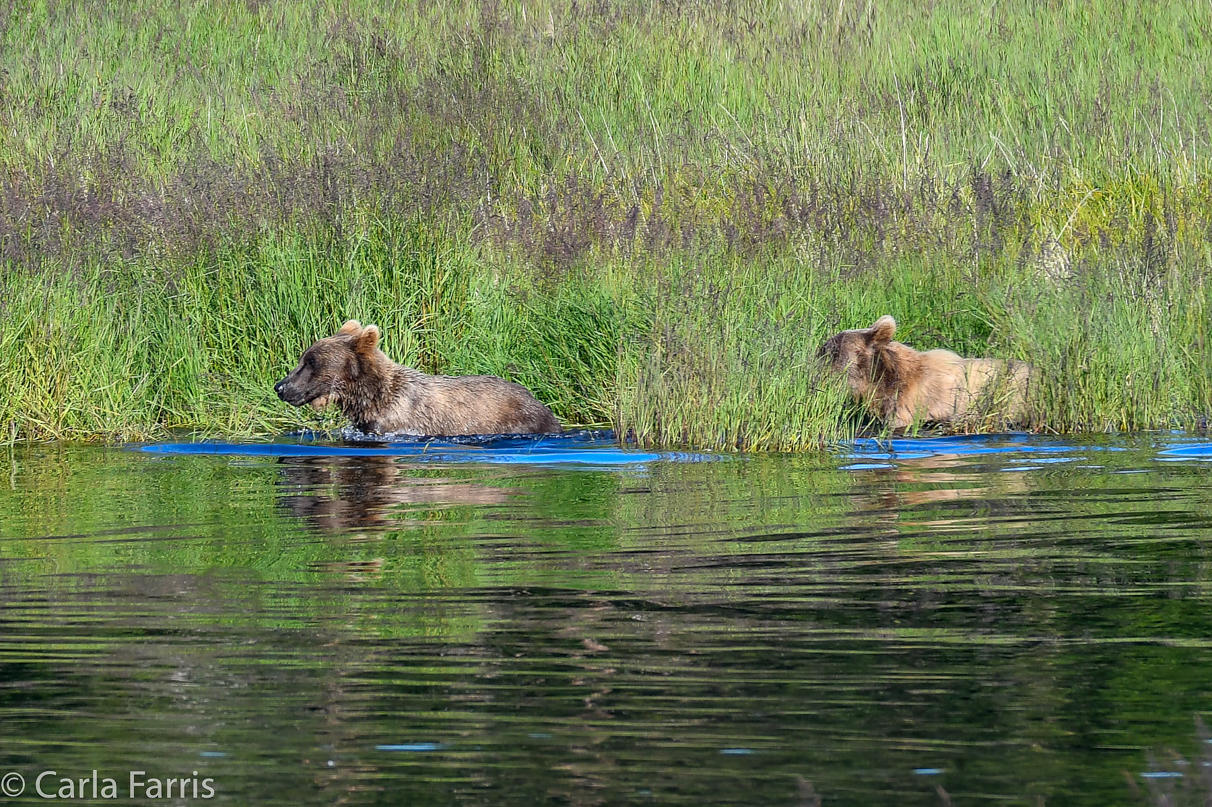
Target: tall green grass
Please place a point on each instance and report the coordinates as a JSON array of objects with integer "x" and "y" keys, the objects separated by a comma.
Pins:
[{"x": 650, "y": 214}]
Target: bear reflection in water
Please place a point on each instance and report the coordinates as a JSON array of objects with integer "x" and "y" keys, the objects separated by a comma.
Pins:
[
  {"x": 930, "y": 482},
  {"x": 343, "y": 494}
]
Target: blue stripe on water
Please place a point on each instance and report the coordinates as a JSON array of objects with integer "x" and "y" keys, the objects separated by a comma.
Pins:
[
  {"x": 907, "y": 448},
  {"x": 1195, "y": 451},
  {"x": 585, "y": 448},
  {"x": 601, "y": 449},
  {"x": 1019, "y": 449}
]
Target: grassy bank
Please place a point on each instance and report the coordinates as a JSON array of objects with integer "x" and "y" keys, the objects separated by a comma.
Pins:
[{"x": 651, "y": 214}]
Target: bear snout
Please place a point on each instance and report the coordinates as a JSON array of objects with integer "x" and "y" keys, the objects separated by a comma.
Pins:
[
  {"x": 287, "y": 393},
  {"x": 291, "y": 392}
]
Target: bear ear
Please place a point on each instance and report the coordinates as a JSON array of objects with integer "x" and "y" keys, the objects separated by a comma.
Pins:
[
  {"x": 367, "y": 340},
  {"x": 882, "y": 330},
  {"x": 351, "y": 326}
]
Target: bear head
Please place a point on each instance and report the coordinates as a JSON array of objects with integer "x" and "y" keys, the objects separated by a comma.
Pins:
[
  {"x": 331, "y": 366},
  {"x": 856, "y": 353}
]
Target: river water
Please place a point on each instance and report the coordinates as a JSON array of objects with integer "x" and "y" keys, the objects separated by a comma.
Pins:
[{"x": 993, "y": 620}]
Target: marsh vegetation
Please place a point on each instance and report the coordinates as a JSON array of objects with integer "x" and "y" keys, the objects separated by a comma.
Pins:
[{"x": 651, "y": 214}]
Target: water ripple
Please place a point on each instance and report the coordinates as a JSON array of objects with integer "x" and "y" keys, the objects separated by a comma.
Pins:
[{"x": 585, "y": 448}]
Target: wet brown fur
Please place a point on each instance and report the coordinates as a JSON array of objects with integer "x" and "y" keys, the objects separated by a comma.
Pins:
[
  {"x": 902, "y": 386},
  {"x": 382, "y": 397}
]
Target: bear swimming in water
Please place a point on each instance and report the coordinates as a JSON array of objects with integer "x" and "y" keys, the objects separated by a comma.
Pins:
[{"x": 382, "y": 397}]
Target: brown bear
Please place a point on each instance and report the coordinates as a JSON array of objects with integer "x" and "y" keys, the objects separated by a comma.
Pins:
[
  {"x": 382, "y": 397},
  {"x": 902, "y": 386}
]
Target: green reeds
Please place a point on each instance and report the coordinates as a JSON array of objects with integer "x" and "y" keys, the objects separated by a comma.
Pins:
[{"x": 649, "y": 214}]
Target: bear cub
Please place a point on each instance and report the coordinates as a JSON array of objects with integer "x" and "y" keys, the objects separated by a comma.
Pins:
[
  {"x": 902, "y": 386},
  {"x": 382, "y": 397}
]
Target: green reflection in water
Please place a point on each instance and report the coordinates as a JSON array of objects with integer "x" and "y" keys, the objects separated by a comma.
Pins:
[{"x": 363, "y": 630}]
